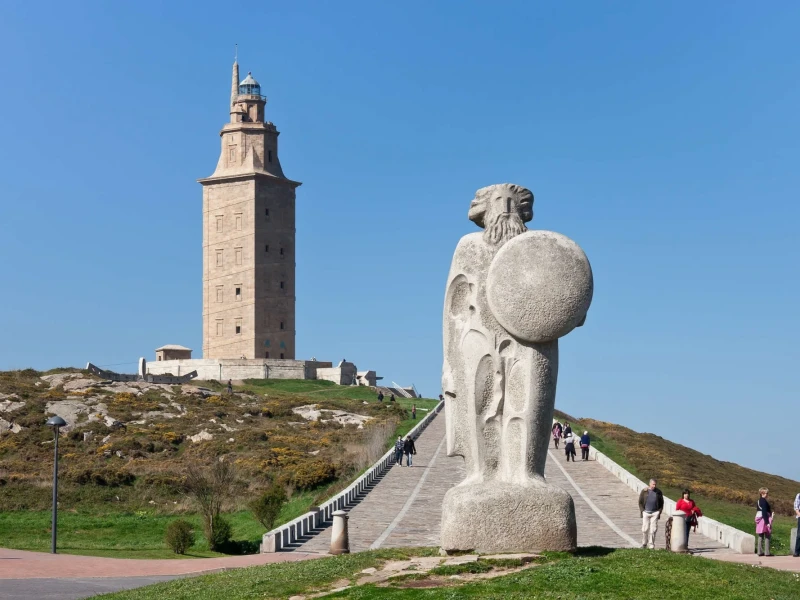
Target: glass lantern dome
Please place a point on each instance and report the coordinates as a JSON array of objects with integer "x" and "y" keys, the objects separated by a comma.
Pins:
[{"x": 249, "y": 86}]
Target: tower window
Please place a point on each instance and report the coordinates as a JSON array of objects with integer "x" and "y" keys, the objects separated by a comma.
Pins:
[
  {"x": 266, "y": 248},
  {"x": 219, "y": 327},
  {"x": 220, "y": 221},
  {"x": 266, "y": 354},
  {"x": 238, "y": 329},
  {"x": 281, "y": 285},
  {"x": 219, "y": 293},
  {"x": 238, "y": 293},
  {"x": 238, "y": 255},
  {"x": 269, "y": 155},
  {"x": 281, "y": 251},
  {"x": 266, "y": 212},
  {"x": 219, "y": 258},
  {"x": 282, "y": 324},
  {"x": 239, "y": 222},
  {"x": 281, "y": 354}
]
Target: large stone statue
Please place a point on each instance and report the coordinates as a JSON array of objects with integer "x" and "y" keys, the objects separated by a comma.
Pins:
[{"x": 511, "y": 294}]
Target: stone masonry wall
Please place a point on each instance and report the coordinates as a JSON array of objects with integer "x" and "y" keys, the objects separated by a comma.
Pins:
[{"x": 238, "y": 369}]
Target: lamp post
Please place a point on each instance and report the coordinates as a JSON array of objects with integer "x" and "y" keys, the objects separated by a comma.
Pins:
[{"x": 56, "y": 423}]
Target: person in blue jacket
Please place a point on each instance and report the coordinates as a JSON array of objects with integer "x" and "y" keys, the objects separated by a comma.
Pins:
[{"x": 585, "y": 445}]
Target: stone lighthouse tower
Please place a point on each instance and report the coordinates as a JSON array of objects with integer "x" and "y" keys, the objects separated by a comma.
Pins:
[{"x": 248, "y": 238}]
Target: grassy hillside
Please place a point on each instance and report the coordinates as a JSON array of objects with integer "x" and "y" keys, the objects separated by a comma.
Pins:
[
  {"x": 724, "y": 490},
  {"x": 127, "y": 447}
]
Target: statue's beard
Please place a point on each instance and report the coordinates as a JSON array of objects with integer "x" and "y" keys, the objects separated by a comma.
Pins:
[{"x": 503, "y": 228}]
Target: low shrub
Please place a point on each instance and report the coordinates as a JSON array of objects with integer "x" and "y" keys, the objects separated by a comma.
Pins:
[
  {"x": 218, "y": 533},
  {"x": 310, "y": 474},
  {"x": 179, "y": 536},
  {"x": 109, "y": 477},
  {"x": 267, "y": 506}
]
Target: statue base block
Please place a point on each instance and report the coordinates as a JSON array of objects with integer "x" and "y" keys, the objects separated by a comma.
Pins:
[{"x": 496, "y": 516}]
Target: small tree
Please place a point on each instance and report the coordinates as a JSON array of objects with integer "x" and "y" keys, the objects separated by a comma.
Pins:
[
  {"x": 210, "y": 487},
  {"x": 267, "y": 507},
  {"x": 179, "y": 536}
]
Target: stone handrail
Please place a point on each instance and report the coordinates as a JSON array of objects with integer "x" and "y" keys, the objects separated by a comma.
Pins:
[
  {"x": 282, "y": 537},
  {"x": 735, "y": 539}
]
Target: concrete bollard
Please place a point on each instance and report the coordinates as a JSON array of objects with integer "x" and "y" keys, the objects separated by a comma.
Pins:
[
  {"x": 677, "y": 542},
  {"x": 340, "y": 541}
]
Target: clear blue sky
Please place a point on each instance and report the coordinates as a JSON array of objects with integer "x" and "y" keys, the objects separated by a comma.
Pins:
[{"x": 663, "y": 139}]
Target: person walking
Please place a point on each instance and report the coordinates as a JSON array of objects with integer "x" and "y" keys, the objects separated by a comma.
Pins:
[
  {"x": 413, "y": 411},
  {"x": 399, "y": 447},
  {"x": 651, "y": 503},
  {"x": 796, "y": 552},
  {"x": 585, "y": 446},
  {"x": 687, "y": 505},
  {"x": 391, "y": 398},
  {"x": 569, "y": 447},
  {"x": 764, "y": 516},
  {"x": 567, "y": 430},
  {"x": 556, "y": 433},
  {"x": 380, "y": 396},
  {"x": 409, "y": 448},
  {"x": 441, "y": 398},
  {"x": 230, "y": 386}
]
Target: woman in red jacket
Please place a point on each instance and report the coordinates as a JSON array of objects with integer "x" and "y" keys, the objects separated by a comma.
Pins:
[{"x": 687, "y": 505}]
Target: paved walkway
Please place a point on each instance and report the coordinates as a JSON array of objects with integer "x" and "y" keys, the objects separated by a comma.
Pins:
[
  {"x": 404, "y": 508},
  {"x": 71, "y": 589},
  {"x": 19, "y": 564}
]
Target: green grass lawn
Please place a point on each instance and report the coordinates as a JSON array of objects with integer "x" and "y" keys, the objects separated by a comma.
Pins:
[
  {"x": 591, "y": 573},
  {"x": 117, "y": 535}
]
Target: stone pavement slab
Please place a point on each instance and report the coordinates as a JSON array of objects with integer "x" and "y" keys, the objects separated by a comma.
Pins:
[
  {"x": 20, "y": 564},
  {"x": 71, "y": 589},
  {"x": 782, "y": 563}
]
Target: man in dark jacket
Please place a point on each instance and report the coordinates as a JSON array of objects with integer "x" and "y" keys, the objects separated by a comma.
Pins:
[
  {"x": 409, "y": 448},
  {"x": 651, "y": 503},
  {"x": 399, "y": 447}
]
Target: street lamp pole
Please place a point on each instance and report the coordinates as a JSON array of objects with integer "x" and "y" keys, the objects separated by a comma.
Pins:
[{"x": 56, "y": 423}]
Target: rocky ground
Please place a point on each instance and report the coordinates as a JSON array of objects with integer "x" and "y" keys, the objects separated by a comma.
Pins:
[{"x": 131, "y": 441}]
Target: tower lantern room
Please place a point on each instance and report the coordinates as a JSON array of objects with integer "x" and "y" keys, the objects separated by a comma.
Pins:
[
  {"x": 249, "y": 86},
  {"x": 247, "y": 103}
]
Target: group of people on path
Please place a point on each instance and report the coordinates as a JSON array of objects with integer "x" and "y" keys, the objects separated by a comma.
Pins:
[
  {"x": 651, "y": 505},
  {"x": 402, "y": 447},
  {"x": 570, "y": 440}
]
